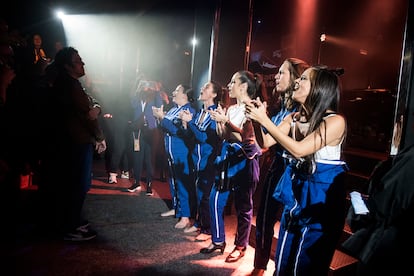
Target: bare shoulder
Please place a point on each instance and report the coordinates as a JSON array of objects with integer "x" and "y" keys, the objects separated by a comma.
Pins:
[
  {"x": 335, "y": 125},
  {"x": 335, "y": 118}
]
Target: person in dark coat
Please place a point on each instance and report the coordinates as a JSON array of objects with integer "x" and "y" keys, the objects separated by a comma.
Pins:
[{"x": 382, "y": 240}]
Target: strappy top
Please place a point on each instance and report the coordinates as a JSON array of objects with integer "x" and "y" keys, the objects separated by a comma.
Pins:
[{"x": 326, "y": 153}]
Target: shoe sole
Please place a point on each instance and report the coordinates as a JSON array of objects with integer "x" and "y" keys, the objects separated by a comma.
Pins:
[
  {"x": 82, "y": 237},
  {"x": 202, "y": 238},
  {"x": 112, "y": 180},
  {"x": 181, "y": 226},
  {"x": 79, "y": 239},
  {"x": 134, "y": 190},
  {"x": 168, "y": 214},
  {"x": 191, "y": 230}
]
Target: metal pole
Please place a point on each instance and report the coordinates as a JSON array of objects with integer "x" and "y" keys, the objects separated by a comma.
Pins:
[
  {"x": 249, "y": 36},
  {"x": 193, "y": 54},
  {"x": 319, "y": 52}
]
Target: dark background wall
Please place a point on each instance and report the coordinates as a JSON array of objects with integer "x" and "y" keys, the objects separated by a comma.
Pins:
[{"x": 363, "y": 37}]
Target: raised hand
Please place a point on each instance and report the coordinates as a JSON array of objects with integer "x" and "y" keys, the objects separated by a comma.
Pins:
[
  {"x": 158, "y": 112},
  {"x": 186, "y": 116},
  {"x": 256, "y": 110}
]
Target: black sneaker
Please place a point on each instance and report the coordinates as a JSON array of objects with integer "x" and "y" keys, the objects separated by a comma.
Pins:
[
  {"x": 84, "y": 224},
  {"x": 80, "y": 235},
  {"x": 134, "y": 188},
  {"x": 149, "y": 190}
]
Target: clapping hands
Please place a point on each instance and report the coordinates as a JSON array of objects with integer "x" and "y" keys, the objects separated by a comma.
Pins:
[
  {"x": 218, "y": 114},
  {"x": 158, "y": 112},
  {"x": 186, "y": 116},
  {"x": 256, "y": 109}
]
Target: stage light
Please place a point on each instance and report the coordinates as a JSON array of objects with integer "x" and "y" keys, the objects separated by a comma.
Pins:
[
  {"x": 60, "y": 14},
  {"x": 322, "y": 38}
]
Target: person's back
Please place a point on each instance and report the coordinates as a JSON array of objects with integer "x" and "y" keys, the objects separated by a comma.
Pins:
[{"x": 382, "y": 238}]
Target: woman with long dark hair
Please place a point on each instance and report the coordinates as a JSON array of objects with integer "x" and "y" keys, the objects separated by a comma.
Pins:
[
  {"x": 238, "y": 165},
  {"x": 312, "y": 187},
  {"x": 269, "y": 208}
]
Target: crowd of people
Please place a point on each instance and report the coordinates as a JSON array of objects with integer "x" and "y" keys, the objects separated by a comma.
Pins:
[
  {"x": 310, "y": 197},
  {"x": 311, "y": 188},
  {"x": 211, "y": 153},
  {"x": 48, "y": 123}
]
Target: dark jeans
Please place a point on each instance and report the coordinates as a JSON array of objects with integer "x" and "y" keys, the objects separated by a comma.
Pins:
[
  {"x": 203, "y": 198},
  {"x": 62, "y": 198},
  {"x": 268, "y": 214},
  {"x": 144, "y": 156},
  {"x": 77, "y": 184},
  {"x": 117, "y": 138}
]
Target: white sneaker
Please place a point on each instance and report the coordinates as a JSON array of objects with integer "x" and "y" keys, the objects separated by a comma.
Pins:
[
  {"x": 112, "y": 178},
  {"x": 169, "y": 213},
  {"x": 134, "y": 188},
  {"x": 125, "y": 174}
]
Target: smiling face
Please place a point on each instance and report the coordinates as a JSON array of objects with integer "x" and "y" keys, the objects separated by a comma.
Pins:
[
  {"x": 179, "y": 97},
  {"x": 302, "y": 87}
]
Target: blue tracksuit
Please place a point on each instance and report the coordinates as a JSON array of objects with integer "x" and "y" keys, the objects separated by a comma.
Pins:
[
  {"x": 313, "y": 218},
  {"x": 269, "y": 208},
  {"x": 178, "y": 149},
  {"x": 203, "y": 128},
  {"x": 239, "y": 172}
]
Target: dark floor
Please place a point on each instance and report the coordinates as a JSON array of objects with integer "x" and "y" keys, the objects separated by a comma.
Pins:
[{"x": 133, "y": 239}]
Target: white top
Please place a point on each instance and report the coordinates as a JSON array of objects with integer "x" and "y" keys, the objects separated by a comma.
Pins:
[
  {"x": 237, "y": 114},
  {"x": 325, "y": 154},
  {"x": 329, "y": 153}
]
